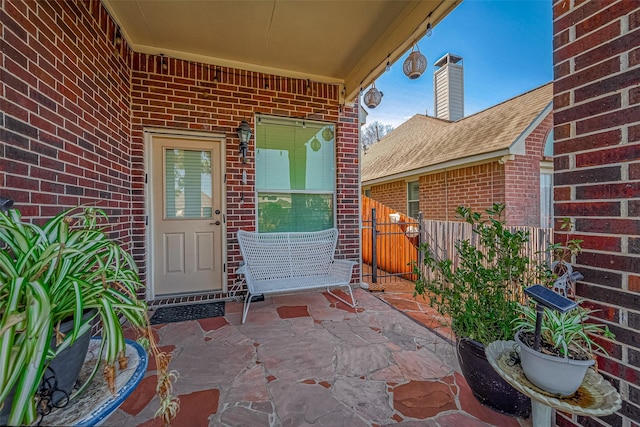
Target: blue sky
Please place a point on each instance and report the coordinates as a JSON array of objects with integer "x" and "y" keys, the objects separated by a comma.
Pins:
[{"x": 506, "y": 46}]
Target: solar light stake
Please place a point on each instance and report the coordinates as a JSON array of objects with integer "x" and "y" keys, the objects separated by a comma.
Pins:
[
  {"x": 538, "y": 333},
  {"x": 545, "y": 297}
]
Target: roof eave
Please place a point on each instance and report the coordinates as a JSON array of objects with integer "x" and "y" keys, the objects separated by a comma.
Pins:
[
  {"x": 451, "y": 164},
  {"x": 518, "y": 145}
]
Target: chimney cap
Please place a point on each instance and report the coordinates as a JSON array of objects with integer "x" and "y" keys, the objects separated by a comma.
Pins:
[{"x": 449, "y": 58}]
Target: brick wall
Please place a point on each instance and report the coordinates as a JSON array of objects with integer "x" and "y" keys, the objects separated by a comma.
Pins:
[
  {"x": 391, "y": 194},
  {"x": 522, "y": 185},
  {"x": 597, "y": 179},
  {"x": 74, "y": 105},
  {"x": 441, "y": 193},
  {"x": 64, "y": 111}
]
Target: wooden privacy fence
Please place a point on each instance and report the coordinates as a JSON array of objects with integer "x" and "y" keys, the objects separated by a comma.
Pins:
[
  {"x": 443, "y": 235},
  {"x": 393, "y": 250}
]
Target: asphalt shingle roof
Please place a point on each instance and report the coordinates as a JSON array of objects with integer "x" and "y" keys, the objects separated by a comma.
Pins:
[{"x": 424, "y": 141}]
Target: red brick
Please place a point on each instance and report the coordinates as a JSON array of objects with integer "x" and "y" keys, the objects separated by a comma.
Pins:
[
  {"x": 607, "y": 121},
  {"x": 601, "y": 105},
  {"x": 590, "y": 142},
  {"x": 620, "y": 154},
  {"x": 587, "y": 176},
  {"x": 591, "y": 209},
  {"x": 608, "y": 226},
  {"x": 608, "y": 191},
  {"x": 606, "y": 85}
]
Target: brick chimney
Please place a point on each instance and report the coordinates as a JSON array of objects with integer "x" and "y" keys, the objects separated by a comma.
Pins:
[{"x": 448, "y": 88}]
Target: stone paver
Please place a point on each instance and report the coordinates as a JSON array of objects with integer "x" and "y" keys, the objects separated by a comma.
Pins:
[{"x": 307, "y": 360}]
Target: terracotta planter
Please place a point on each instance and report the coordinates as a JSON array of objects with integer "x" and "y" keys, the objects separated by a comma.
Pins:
[
  {"x": 485, "y": 383},
  {"x": 556, "y": 375}
]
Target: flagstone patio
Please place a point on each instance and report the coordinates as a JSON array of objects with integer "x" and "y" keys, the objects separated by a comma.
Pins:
[{"x": 305, "y": 359}]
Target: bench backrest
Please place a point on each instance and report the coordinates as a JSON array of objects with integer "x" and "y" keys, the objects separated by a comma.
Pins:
[{"x": 283, "y": 255}]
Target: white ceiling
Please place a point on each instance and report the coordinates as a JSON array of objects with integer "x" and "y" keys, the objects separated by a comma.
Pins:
[{"x": 340, "y": 41}]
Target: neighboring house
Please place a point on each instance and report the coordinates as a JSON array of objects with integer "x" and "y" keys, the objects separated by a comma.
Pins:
[
  {"x": 502, "y": 154},
  {"x": 134, "y": 106}
]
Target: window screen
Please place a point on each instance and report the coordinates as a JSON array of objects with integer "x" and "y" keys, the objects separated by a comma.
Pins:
[{"x": 295, "y": 175}]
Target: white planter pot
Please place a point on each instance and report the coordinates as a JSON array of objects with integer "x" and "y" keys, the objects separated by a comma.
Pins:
[{"x": 556, "y": 375}]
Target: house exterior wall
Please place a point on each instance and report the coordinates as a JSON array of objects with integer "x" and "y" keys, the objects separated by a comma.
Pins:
[
  {"x": 65, "y": 111},
  {"x": 392, "y": 194},
  {"x": 476, "y": 186},
  {"x": 74, "y": 106},
  {"x": 597, "y": 178},
  {"x": 522, "y": 184},
  {"x": 186, "y": 96}
]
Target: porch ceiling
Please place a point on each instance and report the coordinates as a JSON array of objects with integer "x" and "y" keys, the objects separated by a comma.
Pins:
[{"x": 346, "y": 41}]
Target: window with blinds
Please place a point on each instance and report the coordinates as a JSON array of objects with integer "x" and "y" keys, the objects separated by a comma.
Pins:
[{"x": 295, "y": 175}]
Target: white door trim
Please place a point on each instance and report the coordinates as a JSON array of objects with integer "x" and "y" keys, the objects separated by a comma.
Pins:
[{"x": 149, "y": 134}]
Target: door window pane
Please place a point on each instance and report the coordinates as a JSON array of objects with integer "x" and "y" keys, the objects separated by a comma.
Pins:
[
  {"x": 295, "y": 175},
  {"x": 188, "y": 192}
]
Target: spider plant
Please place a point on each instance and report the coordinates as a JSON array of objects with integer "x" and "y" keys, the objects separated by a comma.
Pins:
[
  {"x": 56, "y": 272},
  {"x": 568, "y": 333}
]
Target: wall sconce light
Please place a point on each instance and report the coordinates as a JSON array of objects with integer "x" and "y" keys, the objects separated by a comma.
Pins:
[
  {"x": 117, "y": 38},
  {"x": 415, "y": 64},
  {"x": 5, "y": 203},
  {"x": 394, "y": 217},
  {"x": 244, "y": 134},
  {"x": 373, "y": 97}
]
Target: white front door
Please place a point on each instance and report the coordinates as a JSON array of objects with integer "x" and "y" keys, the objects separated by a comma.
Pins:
[{"x": 186, "y": 215}]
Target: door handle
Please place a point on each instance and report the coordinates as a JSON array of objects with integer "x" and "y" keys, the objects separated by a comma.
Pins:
[{"x": 215, "y": 223}]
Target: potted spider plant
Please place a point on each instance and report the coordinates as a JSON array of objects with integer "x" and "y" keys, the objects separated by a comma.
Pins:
[
  {"x": 566, "y": 347},
  {"x": 68, "y": 270},
  {"x": 479, "y": 293}
]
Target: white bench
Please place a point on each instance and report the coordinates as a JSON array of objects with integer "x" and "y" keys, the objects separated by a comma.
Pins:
[{"x": 283, "y": 262}]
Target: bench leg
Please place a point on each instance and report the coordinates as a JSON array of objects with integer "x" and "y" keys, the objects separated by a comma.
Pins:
[
  {"x": 351, "y": 304},
  {"x": 245, "y": 309}
]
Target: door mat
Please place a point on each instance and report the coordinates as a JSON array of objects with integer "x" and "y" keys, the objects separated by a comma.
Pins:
[{"x": 182, "y": 313}]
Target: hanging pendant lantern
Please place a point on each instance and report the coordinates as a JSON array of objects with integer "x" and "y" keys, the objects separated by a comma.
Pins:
[
  {"x": 415, "y": 64},
  {"x": 316, "y": 145},
  {"x": 373, "y": 97},
  {"x": 327, "y": 134}
]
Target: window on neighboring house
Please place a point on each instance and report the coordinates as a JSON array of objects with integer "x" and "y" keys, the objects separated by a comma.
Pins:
[
  {"x": 413, "y": 199},
  {"x": 295, "y": 175},
  {"x": 548, "y": 145},
  {"x": 546, "y": 198},
  {"x": 367, "y": 192}
]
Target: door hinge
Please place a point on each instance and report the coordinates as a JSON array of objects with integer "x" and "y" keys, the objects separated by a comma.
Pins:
[
  {"x": 145, "y": 178},
  {"x": 224, "y": 267},
  {"x": 225, "y": 178},
  {"x": 146, "y": 220},
  {"x": 224, "y": 219}
]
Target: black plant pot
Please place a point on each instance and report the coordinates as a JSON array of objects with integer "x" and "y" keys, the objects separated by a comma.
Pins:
[
  {"x": 485, "y": 383},
  {"x": 66, "y": 366}
]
